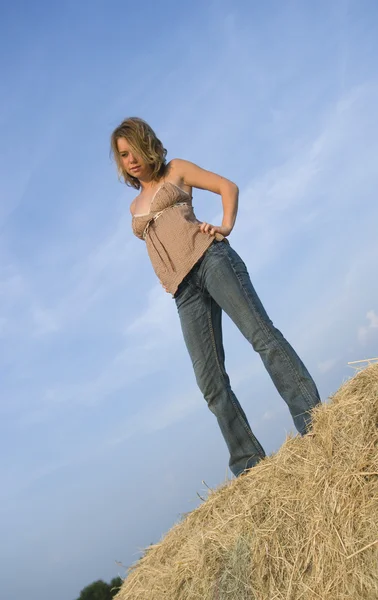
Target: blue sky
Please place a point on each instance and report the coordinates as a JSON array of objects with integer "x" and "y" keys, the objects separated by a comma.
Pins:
[{"x": 104, "y": 436}]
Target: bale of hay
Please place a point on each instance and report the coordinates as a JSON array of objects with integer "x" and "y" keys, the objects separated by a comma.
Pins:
[{"x": 302, "y": 524}]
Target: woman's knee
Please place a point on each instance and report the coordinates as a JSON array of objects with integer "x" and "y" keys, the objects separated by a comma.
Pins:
[
  {"x": 264, "y": 337},
  {"x": 213, "y": 386}
]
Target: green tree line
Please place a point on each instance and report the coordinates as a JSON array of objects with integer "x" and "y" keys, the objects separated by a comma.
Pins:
[{"x": 99, "y": 590}]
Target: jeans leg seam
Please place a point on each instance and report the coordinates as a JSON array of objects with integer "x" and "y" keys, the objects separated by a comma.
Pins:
[
  {"x": 303, "y": 389},
  {"x": 213, "y": 343}
]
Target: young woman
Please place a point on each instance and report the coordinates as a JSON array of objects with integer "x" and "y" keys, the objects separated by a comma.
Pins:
[{"x": 196, "y": 264}]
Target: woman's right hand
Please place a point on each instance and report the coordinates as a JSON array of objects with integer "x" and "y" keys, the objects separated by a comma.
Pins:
[{"x": 219, "y": 232}]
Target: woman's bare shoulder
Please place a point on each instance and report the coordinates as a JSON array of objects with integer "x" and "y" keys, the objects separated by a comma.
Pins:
[
  {"x": 175, "y": 170},
  {"x": 176, "y": 165},
  {"x": 193, "y": 175}
]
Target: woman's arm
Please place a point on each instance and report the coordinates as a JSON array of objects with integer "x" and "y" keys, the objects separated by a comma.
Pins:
[{"x": 194, "y": 176}]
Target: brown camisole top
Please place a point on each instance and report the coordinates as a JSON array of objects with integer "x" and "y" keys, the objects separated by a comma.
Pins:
[{"x": 172, "y": 235}]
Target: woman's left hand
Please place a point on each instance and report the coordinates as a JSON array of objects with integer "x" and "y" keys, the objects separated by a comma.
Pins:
[{"x": 213, "y": 229}]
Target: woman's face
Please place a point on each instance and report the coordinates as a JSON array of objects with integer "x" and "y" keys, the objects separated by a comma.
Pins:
[{"x": 131, "y": 162}]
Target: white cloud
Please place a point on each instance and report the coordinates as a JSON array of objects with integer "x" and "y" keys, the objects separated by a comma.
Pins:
[
  {"x": 327, "y": 365},
  {"x": 45, "y": 322},
  {"x": 373, "y": 318},
  {"x": 269, "y": 415},
  {"x": 156, "y": 319},
  {"x": 304, "y": 188},
  {"x": 366, "y": 332},
  {"x": 104, "y": 271},
  {"x": 160, "y": 416}
]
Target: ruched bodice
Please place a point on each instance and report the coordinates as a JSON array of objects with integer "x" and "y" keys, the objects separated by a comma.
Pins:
[
  {"x": 171, "y": 231},
  {"x": 166, "y": 196}
]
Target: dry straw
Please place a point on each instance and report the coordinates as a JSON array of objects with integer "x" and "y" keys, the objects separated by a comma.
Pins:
[{"x": 302, "y": 524}]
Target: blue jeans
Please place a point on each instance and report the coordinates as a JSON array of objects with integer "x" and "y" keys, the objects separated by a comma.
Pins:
[{"x": 220, "y": 281}]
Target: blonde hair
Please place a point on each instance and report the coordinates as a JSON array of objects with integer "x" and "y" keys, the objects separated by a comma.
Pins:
[{"x": 144, "y": 143}]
